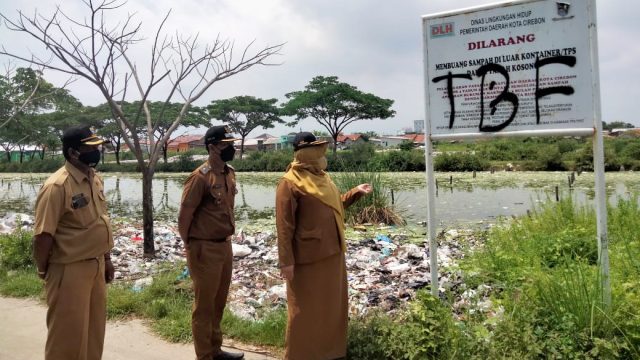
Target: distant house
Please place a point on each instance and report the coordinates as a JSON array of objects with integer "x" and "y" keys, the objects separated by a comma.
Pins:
[
  {"x": 416, "y": 139},
  {"x": 346, "y": 141},
  {"x": 184, "y": 143},
  {"x": 144, "y": 146},
  {"x": 260, "y": 142},
  {"x": 628, "y": 133},
  {"x": 390, "y": 141},
  {"x": 286, "y": 141}
]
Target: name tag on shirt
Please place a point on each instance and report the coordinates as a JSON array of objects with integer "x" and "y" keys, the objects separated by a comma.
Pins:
[{"x": 79, "y": 201}]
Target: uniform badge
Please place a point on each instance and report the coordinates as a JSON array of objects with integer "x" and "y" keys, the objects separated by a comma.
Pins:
[{"x": 79, "y": 201}]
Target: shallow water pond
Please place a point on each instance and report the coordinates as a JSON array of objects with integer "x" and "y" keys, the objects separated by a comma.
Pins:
[{"x": 461, "y": 197}]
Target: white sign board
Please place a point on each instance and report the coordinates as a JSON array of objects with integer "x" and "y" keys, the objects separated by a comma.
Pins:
[{"x": 518, "y": 66}]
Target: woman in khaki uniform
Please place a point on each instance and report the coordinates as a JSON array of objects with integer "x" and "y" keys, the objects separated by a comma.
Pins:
[{"x": 311, "y": 247}]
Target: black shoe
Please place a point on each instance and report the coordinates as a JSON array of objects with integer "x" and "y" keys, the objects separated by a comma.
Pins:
[{"x": 223, "y": 355}]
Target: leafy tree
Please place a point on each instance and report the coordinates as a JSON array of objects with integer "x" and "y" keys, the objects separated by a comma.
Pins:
[
  {"x": 92, "y": 48},
  {"x": 368, "y": 135},
  {"x": 243, "y": 114},
  {"x": 406, "y": 145},
  {"x": 30, "y": 108},
  {"x": 320, "y": 133},
  {"x": 335, "y": 105}
]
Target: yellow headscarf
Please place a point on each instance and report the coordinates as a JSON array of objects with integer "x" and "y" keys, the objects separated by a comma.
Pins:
[{"x": 307, "y": 173}]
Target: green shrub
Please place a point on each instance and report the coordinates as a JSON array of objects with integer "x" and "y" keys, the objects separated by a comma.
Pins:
[
  {"x": 32, "y": 166},
  {"x": 397, "y": 160},
  {"x": 367, "y": 337},
  {"x": 357, "y": 158},
  {"x": 545, "y": 266},
  {"x": 428, "y": 332},
  {"x": 16, "y": 250},
  {"x": 549, "y": 158},
  {"x": 460, "y": 162},
  {"x": 123, "y": 167}
]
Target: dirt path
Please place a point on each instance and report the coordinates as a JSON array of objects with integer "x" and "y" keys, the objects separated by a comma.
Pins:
[{"x": 23, "y": 334}]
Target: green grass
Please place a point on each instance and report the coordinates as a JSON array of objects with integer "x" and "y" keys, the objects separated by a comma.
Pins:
[
  {"x": 550, "y": 260},
  {"x": 167, "y": 303},
  {"x": 546, "y": 301},
  {"x": 268, "y": 331},
  {"x": 20, "y": 283}
]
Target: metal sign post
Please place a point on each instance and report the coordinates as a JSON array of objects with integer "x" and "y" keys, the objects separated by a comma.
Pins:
[
  {"x": 598, "y": 164},
  {"x": 519, "y": 68}
]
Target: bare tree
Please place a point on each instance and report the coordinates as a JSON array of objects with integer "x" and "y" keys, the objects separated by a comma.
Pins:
[{"x": 90, "y": 49}]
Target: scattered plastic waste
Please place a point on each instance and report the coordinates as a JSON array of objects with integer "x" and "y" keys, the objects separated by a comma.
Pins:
[
  {"x": 240, "y": 250},
  {"x": 140, "y": 284},
  {"x": 385, "y": 265},
  {"x": 384, "y": 238},
  {"x": 137, "y": 238},
  {"x": 12, "y": 221},
  {"x": 183, "y": 275}
]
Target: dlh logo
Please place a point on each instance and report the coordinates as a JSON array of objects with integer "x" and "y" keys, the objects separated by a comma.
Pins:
[
  {"x": 445, "y": 29},
  {"x": 563, "y": 11}
]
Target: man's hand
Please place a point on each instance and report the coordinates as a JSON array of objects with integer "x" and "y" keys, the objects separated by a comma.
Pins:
[
  {"x": 42, "y": 244},
  {"x": 109, "y": 271},
  {"x": 186, "y": 247},
  {"x": 287, "y": 272},
  {"x": 365, "y": 188}
]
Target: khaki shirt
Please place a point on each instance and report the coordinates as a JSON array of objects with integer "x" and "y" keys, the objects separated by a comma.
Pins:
[
  {"x": 208, "y": 198},
  {"x": 73, "y": 210},
  {"x": 307, "y": 229}
]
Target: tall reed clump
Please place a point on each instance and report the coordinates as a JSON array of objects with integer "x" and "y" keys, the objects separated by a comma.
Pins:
[{"x": 373, "y": 208}]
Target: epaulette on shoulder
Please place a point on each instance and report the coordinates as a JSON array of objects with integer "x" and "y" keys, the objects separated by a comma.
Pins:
[
  {"x": 58, "y": 178},
  {"x": 205, "y": 169}
]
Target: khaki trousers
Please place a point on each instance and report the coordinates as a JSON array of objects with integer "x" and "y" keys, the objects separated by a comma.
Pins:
[
  {"x": 76, "y": 317},
  {"x": 317, "y": 304},
  {"x": 210, "y": 266}
]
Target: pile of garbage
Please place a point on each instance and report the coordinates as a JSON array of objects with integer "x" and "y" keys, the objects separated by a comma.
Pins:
[
  {"x": 385, "y": 265},
  {"x": 12, "y": 221}
]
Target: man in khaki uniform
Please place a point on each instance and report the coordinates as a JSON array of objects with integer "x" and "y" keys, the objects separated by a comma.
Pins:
[
  {"x": 72, "y": 240},
  {"x": 206, "y": 223}
]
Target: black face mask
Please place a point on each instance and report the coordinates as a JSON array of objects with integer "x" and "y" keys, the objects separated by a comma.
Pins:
[
  {"x": 227, "y": 153},
  {"x": 91, "y": 158}
]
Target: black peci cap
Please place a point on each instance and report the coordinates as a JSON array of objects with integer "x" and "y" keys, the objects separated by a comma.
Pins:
[
  {"x": 217, "y": 134},
  {"x": 80, "y": 135},
  {"x": 306, "y": 139}
]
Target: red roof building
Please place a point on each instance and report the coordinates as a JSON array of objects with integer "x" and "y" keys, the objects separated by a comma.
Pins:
[{"x": 185, "y": 142}]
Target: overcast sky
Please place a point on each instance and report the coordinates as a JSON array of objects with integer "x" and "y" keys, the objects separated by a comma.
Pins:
[{"x": 373, "y": 45}]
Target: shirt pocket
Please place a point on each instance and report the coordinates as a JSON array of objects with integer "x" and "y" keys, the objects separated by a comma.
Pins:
[
  {"x": 310, "y": 234},
  {"x": 218, "y": 193},
  {"x": 83, "y": 213}
]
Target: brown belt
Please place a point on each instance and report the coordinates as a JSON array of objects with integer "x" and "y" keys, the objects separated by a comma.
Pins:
[{"x": 211, "y": 240}]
